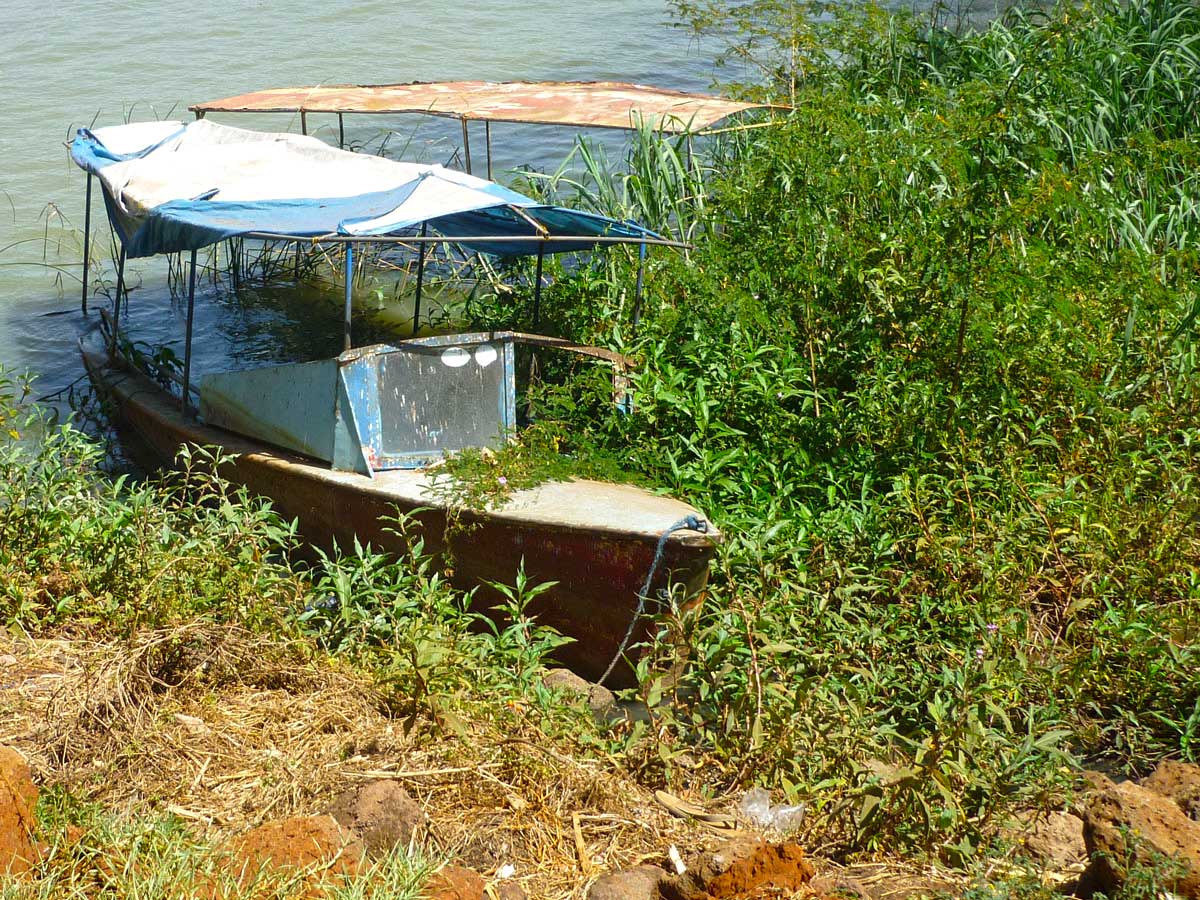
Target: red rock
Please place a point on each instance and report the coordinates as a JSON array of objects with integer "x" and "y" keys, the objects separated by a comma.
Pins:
[
  {"x": 743, "y": 870},
  {"x": 18, "y": 796},
  {"x": 1180, "y": 782},
  {"x": 316, "y": 844},
  {"x": 1055, "y": 839},
  {"x": 1124, "y": 824},
  {"x": 455, "y": 883}
]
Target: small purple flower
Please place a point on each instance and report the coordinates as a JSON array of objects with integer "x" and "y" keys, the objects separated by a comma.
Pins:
[
  {"x": 503, "y": 481},
  {"x": 979, "y": 651},
  {"x": 992, "y": 627}
]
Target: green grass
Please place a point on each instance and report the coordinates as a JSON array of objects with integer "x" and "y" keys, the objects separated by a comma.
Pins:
[{"x": 96, "y": 852}]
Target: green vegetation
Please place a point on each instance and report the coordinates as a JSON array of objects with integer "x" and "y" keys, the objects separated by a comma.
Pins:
[
  {"x": 931, "y": 368},
  {"x": 932, "y": 372},
  {"x": 93, "y": 853}
]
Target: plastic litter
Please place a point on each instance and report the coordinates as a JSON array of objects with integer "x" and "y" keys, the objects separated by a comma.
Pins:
[
  {"x": 676, "y": 859},
  {"x": 757, "y": 807}
]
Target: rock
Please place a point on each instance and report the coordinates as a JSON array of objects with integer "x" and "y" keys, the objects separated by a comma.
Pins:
[
  {"x": 600, "y": 700},
  {"x": 18, "y": 796},
  {"x": 1180, "y": 782},
  {"x": 840, "y": 885},
  {"x": 1154, "y": 825},
  {"x": 455, "y": 883},
  {"x": 510, "y": 890},
  {"x": 316, "y": 844},
  {"x": 743, "y": 869},
  {"x": 1054, "y": 840},
  {"x": 641, "y": 883},
  {"x": 381, "y": 813}
]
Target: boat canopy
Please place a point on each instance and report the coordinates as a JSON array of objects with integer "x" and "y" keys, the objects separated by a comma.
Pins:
[
  {"x": 170, "y": 187},
  {"x": 591, "y": 104}
]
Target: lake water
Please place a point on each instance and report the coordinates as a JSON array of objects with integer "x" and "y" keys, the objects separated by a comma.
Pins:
[{"x": 79, "y": 62}]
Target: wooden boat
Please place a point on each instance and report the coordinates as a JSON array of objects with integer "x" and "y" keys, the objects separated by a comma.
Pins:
[
  {"x": 341, "y": 444},
  {"x": 596, "y": 540}
]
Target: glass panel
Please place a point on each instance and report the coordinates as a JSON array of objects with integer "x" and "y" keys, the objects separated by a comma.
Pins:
[{"x": 433, "y": 399}]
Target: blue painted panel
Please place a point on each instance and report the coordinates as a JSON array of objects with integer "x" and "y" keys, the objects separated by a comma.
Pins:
[{"x": 376, "y": 408}]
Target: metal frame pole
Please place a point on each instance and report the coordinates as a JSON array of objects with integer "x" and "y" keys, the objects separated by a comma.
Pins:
[
  {"x": 235, "y": 264},
  {"x": 120, "y": 291},
  {"x": 537, "y": 288},
  {"x": 487, "y": 136},
  {"x": 87, "y": 242},
  {"x": 466, "y": 144},
  {"x": 187, "y": 340},
  {"x": 420, "y": 280},
  {"x": 637, "y": 290},
  {"x": 341, "y": 132},
  {"x": 303, "y": 122},
  {"x": 349, "y": 293}
]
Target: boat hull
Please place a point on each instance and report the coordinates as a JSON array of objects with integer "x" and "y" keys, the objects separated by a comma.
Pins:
[{"x": 568, "y": 533}]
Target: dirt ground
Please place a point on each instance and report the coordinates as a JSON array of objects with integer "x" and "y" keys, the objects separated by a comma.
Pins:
[{"x": 229, "y": 731}]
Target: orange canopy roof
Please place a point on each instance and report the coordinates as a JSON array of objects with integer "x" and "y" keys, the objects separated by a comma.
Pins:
[{"x": 596, "y": 104}]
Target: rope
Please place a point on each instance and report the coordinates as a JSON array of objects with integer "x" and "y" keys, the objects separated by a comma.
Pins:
[{"x": 688, "y": 523}]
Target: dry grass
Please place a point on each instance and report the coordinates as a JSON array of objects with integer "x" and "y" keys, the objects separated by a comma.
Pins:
[{"x": 228, "y": 729}]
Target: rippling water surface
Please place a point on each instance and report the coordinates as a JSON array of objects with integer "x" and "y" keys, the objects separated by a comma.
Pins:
[{"x": 81, "y": 62}]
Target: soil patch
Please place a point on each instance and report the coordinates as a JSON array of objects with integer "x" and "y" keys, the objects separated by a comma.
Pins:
[{"x": 18, "y": 796}]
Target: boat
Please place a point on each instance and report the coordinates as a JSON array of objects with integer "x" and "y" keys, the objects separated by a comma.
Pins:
[{"x": 343, "y": 445}]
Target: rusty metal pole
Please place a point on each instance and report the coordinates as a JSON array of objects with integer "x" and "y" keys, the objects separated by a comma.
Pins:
[
  {"x": 187, "y": 339},
  {"x": 637, "y": 290},
  {"x": 87, "y": 240},
  {"x": 120, "y": 291},
  {"x": 537, "y": 288},
  {"x": 487, "y": 136},
  {"x": 349, "y": 292},
  {"x": 420, "y": 280}
]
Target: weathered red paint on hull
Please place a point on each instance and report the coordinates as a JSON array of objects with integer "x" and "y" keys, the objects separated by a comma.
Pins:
[{"x": 598, "y": 572}]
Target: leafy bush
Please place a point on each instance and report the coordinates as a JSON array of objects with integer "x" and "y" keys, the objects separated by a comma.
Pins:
[{"x": 932, "y": 372}]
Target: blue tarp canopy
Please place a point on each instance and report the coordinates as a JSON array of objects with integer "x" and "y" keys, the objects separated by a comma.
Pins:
[{"x": 170, "y": 187}]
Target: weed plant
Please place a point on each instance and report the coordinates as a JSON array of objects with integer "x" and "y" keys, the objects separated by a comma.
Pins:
[{"x": 932, "y": 372}]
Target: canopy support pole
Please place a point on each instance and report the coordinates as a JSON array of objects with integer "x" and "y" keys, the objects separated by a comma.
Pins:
[
  {"x": 637, "y": 290},
  {"x": 349, "y": 294},
  {"x": 341, "y": 132},
  {"x": 466, "y": 144},
  {"x": 537, "y": 287},
  {"x": 87, "y": 241},
  {"x": 303, "y": 122},
  {"x": 187, "y": 340},
  {"x": 420, "y": 280},
  {"x": 487, "y": 136},
  {"x": 235, "y": 264},
  {"x": 120, "y": 291}
]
